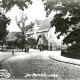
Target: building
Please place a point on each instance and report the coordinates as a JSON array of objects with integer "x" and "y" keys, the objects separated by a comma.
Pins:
[
  {"x": 32, "y": 33},
  {"x": 49, "y": 33},
  {"x": 43, "y": 28}
]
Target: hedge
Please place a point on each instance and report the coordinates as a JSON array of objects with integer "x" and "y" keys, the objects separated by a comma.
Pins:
[{"x": 71, "y": 54}]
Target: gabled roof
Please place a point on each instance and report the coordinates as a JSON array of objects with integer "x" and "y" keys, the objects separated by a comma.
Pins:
[
  {"x": 38, "y": 22},
  {"x": 45, "y": 26}
]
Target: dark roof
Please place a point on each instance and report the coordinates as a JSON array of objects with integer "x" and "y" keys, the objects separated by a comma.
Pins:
[
  {"x": 45, "y": 26},
  {"x": 11, "y": 36}
]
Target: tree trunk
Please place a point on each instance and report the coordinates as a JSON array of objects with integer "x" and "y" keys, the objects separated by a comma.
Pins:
[
  {"x": 2, "y": 46},
  {"x": 22, "y": 40},
  {"x": 22, "y": 46}
]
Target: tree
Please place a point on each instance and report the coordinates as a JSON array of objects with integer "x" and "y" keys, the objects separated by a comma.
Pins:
[
  {"x": 66, "y": 20},
  {"x": 21, "y": 22},
  {"x": 20, "y": 40},
  {"x": 4, "y": 21},
  {"x": 7, "y": 5},
  {"x": 32, "y": 42}
]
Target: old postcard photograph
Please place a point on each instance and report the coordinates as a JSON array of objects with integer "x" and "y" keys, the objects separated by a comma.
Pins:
[{"x": 39, "y": 39}]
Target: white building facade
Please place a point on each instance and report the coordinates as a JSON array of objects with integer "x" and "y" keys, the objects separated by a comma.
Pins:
[{"x": 43, "y": 27}]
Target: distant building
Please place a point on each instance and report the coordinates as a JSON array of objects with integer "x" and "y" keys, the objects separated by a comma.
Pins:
[{"x": 11, "y": 36}]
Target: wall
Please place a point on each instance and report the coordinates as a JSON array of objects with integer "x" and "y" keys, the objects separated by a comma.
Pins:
[
  {"x": 52, "y": 38},
  {"x": 36, "y": 27}
]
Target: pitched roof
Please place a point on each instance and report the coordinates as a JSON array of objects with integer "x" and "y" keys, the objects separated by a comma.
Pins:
[
  {"x": 38, "y": 22},
  {"x": 11, "y": 36},
  {"x": 31, "y": 31},
  {"x": 45, "y": 26}
]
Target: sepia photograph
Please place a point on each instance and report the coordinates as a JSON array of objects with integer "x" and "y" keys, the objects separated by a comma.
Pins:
[{"x": 39, "y": 39}]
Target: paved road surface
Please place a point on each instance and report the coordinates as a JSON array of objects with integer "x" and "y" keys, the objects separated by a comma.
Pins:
[{"x": 39, "y": 62}]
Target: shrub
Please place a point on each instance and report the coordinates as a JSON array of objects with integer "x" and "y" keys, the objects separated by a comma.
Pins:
[
  {"x": 74, "y": 47},
  {"x": 32, "y": 42}
]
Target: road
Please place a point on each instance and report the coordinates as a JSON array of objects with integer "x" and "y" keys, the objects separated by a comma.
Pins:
[{"x": 39, "y": 62}]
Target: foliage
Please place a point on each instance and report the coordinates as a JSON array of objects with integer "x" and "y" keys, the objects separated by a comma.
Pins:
[
  {"x": 66, "y": 19},
  {"x": 20, "y": 41},
  {"x": 4, "y": 21},
  {"x": 23, "y": 27},
  {"x": 74, "y": 47},
  {"x": 2, "y": 42},
  {"x": 32, "y": 42},
  {"x": 72, "y": 51},
  {"x": 22, "y": 22},
  {"x": 8, "y": 4}
]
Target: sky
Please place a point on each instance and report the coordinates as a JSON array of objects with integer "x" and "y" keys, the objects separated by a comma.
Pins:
[{"x": 35, "y": 11}]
